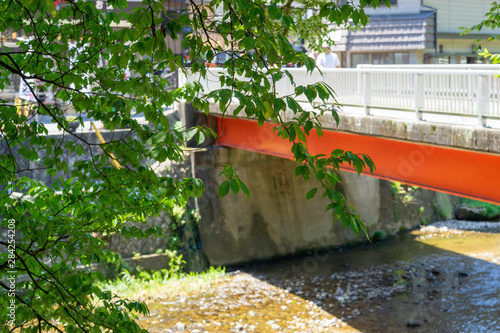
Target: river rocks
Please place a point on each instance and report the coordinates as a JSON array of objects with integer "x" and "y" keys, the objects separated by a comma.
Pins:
[
  {"x": 418, "y": 291},
  {"x": 275, "y": 327},
  {"x": 180, "y": 327},
  {"x": 464, "y": 212},
  {"x": 412, "y": 323},
  {"x": 456, "y": 226}
]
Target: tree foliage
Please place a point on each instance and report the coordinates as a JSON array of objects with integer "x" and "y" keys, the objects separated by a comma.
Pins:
[
  {"x": 56, "y": 223},
  {"x": 491, "y": 21}
]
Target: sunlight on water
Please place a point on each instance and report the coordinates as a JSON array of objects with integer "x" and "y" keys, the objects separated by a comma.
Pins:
[
  {"x": 431, "y": 280},
  {"x": 478, "y": 245}
]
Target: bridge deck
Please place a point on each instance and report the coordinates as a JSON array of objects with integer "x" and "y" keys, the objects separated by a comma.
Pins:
[{"x": 456, "y": 171}]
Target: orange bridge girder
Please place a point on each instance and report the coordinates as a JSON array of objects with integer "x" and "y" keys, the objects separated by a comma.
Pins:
[{"x": 455, "y": 171}]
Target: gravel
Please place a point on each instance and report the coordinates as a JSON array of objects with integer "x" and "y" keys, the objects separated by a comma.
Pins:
[{"x": 461, "y": 225}]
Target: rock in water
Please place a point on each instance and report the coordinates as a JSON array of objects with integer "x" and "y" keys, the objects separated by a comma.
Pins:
[
  {"x": 412, "y": 323},
  {"x": 464, "y": 212}
]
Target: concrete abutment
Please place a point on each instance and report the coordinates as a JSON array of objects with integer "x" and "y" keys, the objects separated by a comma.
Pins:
[{"x": 277, "y": 220}]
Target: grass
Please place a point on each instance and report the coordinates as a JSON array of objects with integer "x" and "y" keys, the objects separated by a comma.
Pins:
[
  {"x": 492, "y": 210},
  {"x": 161, "y": 284}
]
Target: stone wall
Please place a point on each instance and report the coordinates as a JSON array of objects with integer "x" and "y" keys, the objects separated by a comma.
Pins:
[{"x": 131, "y": 246}]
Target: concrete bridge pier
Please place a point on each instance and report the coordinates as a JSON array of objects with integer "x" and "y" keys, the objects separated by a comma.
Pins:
[{"x": 277, "y": 219}]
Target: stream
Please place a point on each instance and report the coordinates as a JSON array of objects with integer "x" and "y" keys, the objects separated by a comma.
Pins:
[{"x": 440, "y": 278}]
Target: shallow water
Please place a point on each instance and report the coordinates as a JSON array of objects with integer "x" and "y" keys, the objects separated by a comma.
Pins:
[{"x": 434, "y": 281}]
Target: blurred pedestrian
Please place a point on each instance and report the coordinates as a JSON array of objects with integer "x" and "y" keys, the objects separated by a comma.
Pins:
[{"x": 328, "y": 59}]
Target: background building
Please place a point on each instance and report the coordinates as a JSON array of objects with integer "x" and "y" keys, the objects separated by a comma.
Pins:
[{"x": 416, "y": 32}]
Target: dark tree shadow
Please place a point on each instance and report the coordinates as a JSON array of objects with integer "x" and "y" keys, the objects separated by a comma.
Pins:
[{"x": 399, "y": 285}]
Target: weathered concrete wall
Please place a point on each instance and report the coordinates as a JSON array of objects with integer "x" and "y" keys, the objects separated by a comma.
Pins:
[{"x": 277, "y": 220}]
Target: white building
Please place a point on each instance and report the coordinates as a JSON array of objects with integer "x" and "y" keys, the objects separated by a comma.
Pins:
[{"x": 417, "y": 32}]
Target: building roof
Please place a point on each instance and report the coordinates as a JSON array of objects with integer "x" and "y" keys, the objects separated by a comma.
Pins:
[{"x": 391, "y": 33}]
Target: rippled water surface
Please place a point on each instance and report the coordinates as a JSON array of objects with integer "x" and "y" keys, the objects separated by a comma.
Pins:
[{"x": 426, "y": 281}]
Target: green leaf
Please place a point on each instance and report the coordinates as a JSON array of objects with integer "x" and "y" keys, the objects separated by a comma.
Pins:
[
  {"x": 269, "y": 110},
  {"x": 311, "y": 193},
  {"x": 259, "y": 103},
  {"x": 309, "y": 63},
  {"x": 345, "y": 219},
  {"x": 238, "y": 110},
  {"x": 225, "y": 95},
  {"x": 310, "y": 94},
  {"x": 248, "y": 43},
  {"x": 355, "y": 225},
  {"x": 357, "y": 163},
  {"x": 234, "y": 185},
  {"x": 308, "y": 127},
  {"x": 80, "y": 150},
  {"x": 190, "y": 133},
  {"x": 244, "y": 189},
  {"x": 355, "y": 17},
  {"x": 300, "y": 133},
  {"x": 292, "y": 104},
  {"x": 369, "y": 162},
  {"x": 319, "y": 130},
  {"x": 123, "y": 61},
  {"x": 290, "y": 77},
  {"x": 228, "y": 171},
  {"x": 335, "y": 116},
  {"x": 339, "y": 210},
  {"x": 279, "y": 104},
  {"x": 223, "y": 189},
  {"x": 200, "y": 137},
  {"x": 363, "y": 18},
  {"x": 302, "y": 170},
  {"x": 332, "y": 177},
  {"x": 322, "y": 93},
  {"x": 337, "y": 153}
]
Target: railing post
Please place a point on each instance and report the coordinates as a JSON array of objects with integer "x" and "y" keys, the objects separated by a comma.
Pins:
[
  {"x": 482, "y": 96},
  {"x": 418, "y": 88},
  {"x": 367, "y": 93},
  {"x": 181, "y": 79}
]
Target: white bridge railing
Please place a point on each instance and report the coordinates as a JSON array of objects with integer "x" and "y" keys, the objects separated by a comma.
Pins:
[{"x": 420, "y": 92}]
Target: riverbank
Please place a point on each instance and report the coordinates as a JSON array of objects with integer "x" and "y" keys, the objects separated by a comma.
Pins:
[{"x": 441, "y": 278}]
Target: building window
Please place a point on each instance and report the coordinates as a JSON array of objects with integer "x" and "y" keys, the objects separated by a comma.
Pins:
[
  {"x": 399, "y": 58},
  {"x": 360, "y": 58}
]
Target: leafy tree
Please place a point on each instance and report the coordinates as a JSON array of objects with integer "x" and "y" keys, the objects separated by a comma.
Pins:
[
  {"x": 56, "y": 224},
  {"x": 491, "y": 21}
]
